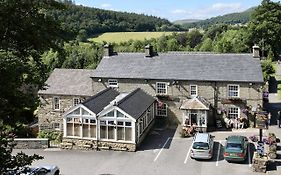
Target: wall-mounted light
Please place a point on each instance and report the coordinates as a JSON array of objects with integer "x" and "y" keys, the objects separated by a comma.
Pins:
[
  {"x": 99, "y": 80},
  {"x": 250, "y": 84}
]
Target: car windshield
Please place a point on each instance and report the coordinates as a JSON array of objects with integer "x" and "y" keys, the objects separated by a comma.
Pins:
[
  {"x": 236, "y": 146},
  {"x": 200, "y": 145}
]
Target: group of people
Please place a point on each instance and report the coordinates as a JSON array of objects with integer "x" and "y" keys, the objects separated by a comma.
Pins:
[{"x": 237, "y": 123}]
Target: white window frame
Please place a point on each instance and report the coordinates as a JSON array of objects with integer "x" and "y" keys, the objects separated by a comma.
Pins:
[
  {"x": 112, "y": 82},
  {"x": 233, "y": 91},
  {"x": 192, "y": 91},
  {"x": 56, "y": 104},
  {"x": 74, "y": 99},
  {"x": 116, "y": 119},
  {"x": 157, "y": 88},
  {"x": 232, "y": 113},
  {"x": 163, "y": 109}
]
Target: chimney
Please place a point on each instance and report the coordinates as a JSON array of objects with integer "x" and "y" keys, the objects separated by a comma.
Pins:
[
  {"x": 108, "y": 50},
  {"x": 256, "y": 51},
  {"x": 148, "y": 51}
]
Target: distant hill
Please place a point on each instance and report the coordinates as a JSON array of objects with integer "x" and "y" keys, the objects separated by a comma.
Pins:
[
  {"x": 185, "y": 21},
  {"x": 232, "y": 18},
  {"x": 88, "y": 21}
]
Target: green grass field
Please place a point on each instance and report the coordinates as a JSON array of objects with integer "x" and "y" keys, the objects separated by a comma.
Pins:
[{"x": 117, "y": 37}]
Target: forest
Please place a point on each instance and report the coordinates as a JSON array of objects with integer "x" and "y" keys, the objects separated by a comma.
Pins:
[
  {"x": 233, "y": 18},
  {"x": 83, "y": 22}
]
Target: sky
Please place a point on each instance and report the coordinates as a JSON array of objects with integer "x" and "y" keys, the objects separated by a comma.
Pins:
[{"x": 174, "y": 9}]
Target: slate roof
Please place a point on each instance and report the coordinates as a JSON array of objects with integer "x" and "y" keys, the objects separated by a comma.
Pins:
[
  {"x": 182, "y": 66},
  {"x": 97, "y": 102},
  {"x": 69, "y": 82},
  {"x": 136, "y": 103}
]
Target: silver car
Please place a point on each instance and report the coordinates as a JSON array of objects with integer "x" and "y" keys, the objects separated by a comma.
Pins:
[
  {"x": 42, "y": 170},
  {"x": 202, "y": 146}
]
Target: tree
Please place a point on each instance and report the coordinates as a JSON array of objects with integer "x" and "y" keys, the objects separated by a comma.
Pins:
[
  {"x": 26, "y": 32},
  {"x": 8, "y": 161},
  {"x": 207, "y": 45},
  {"x": 193, "y": 38},
  {"x": 265, "y": 26}
]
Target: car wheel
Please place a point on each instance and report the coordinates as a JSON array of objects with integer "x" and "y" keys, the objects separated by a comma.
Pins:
[{"x": 57, "y": 173}]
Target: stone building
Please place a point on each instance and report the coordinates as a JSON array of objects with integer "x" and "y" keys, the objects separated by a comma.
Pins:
[
  {"x": 64, "y": 89},
  {"x": 230, "y": 83},
  {"x": 190, "y": 89}
]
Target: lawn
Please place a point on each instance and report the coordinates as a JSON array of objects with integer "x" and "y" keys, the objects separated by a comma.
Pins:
[{"x": 118, "y": 37}]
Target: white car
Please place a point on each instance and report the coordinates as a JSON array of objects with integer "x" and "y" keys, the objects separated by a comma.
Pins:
[{"x": 41, "y": 170}]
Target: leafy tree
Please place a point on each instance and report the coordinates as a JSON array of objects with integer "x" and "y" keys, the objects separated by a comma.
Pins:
[
  {"x": 26, "y": 31},
  {"x": 207, "y": 45},
  {"x": 265, "y": 26},
  {"x": 193, "y": 38},
  {"x": 8, "y": 161},
  {"x": 267, "y": 69}
]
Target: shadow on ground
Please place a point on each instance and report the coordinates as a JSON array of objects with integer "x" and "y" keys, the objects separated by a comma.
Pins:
[{"x": 157, "y": 138}]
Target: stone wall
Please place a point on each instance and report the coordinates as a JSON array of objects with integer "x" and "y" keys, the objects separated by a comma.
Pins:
[
  {"x": 250, "y": 93},
  {"x": 31, "y": 143},
  {"x": 85, "y": 144},
  {"x": 50, "y": 119}
]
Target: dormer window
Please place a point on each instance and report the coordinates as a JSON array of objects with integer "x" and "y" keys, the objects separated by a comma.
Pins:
[
  {"x": 112, "y": 83},
  {"x": 233, "y": 90},
  {"x": 161, "y": 88}
]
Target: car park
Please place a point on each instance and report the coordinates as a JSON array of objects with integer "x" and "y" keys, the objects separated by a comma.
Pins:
[
  {"x": 236, "y": 148},
  {"x": 202, "y": 146}
]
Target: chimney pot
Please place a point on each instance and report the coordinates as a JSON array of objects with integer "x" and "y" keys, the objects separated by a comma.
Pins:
[
  {"x": 256, "y": 51},
  {"x": 108, "y": 50},
  {"x": 148, "y": 51}
]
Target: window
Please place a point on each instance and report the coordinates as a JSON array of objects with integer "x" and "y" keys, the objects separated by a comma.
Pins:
[
  {"x": 162, "y": 110},
  {"x": 112, "y": 83},
  {"x": 233, "y": 90},
  {"x": 73, "y": 127},
  {"x": 56, "y": 126},
  {"x": 233, "y": 112},
  {"x": 56, "y": 103},
  {"x": 161, "y": 88},
  {"x": 76, "y": 101},
  {"x": 193, "y": 90}
]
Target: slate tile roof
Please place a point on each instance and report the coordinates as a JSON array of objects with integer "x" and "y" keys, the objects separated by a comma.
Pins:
[
  {"x": 136, "y": 103},
  {"x": 97, "y": 102},
  {"x": 181, "y": 66},
  {"x": 69, "y": 82}
]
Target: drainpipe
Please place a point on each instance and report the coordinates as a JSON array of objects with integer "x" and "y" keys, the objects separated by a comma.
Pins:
[
  {"x": 97, "y": 134},
  {"x": 215, "y": 101}
]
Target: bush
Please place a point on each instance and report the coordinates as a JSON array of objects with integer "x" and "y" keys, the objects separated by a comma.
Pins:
[{"x": 51, "y": 135}]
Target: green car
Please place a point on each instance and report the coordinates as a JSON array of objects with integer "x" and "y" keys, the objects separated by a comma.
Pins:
[{"x": 236, "y": 148}]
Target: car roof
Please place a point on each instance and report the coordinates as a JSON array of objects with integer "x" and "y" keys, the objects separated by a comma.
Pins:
[
  {"x": 201, "y": 137},
  {"x": 235, "y": 139}
]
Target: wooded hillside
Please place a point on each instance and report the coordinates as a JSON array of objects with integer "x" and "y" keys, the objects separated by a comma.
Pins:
[{"x": 86, "y": 21}]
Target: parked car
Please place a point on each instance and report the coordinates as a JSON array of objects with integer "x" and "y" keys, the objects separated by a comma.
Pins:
[
  {"x": 41, "y": 170},
  {"x": 202, "y": 146},
  {"x": 236, "y": 148}
]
